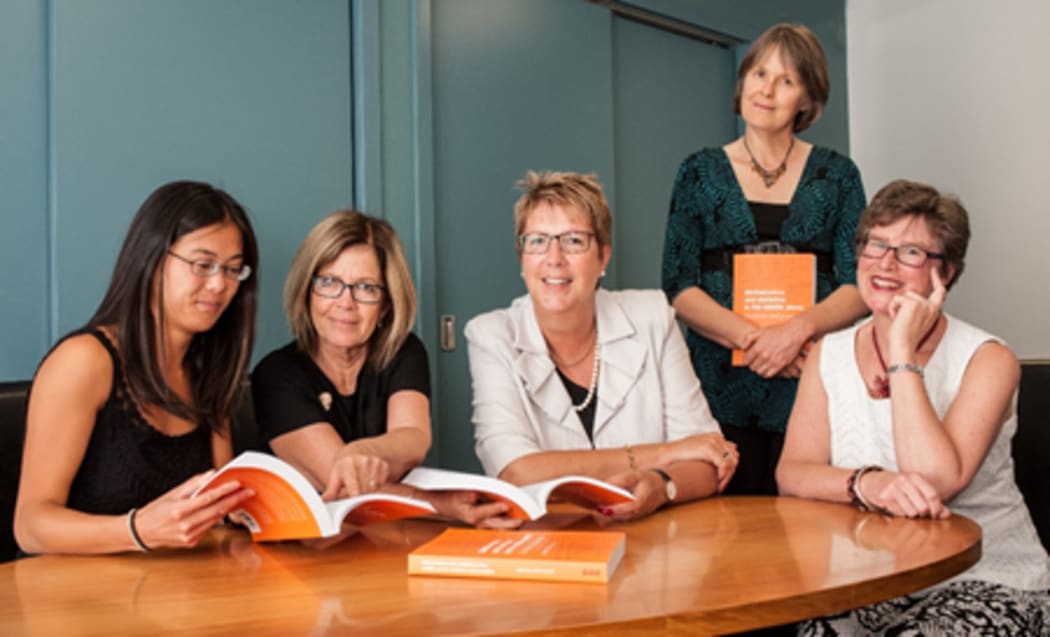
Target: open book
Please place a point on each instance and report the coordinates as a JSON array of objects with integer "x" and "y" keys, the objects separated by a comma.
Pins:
[
  {"x": 528, "y": 502},
  {"x": 573, "y": 556},
  {"x": 287, "y": 507},
  {"x": 770, "y": 289}
]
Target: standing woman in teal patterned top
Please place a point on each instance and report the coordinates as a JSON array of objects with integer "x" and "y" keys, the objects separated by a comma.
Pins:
[{"x": 765, "y": 191}]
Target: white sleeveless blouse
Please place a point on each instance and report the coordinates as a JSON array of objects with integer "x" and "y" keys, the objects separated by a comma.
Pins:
[{"x": 862, "y": 433}]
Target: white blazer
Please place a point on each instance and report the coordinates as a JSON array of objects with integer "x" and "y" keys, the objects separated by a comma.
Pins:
[{"x": 647, "y": 389}]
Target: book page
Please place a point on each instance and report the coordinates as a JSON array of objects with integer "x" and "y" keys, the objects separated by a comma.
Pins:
[
  {"x": 528, "y": 502},
  {"x": 372, "y": 508},
  {"x": 583, "y": 491},
  {"x": 522, "y": 505},
  {"x": 285, "y": 504}
]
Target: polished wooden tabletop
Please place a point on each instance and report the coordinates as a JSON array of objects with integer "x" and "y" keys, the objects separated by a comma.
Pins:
[{"x": 721, "y": 565}]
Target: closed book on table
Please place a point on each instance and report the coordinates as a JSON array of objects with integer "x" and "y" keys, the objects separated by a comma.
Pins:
[
  {"x": 570, "y": 556},
  {"x": 770, "y": 289}
]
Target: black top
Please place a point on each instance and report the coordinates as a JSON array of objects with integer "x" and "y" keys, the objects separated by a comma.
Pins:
[
  {"x": 289, "y": 391},
  {"x": 128, "y": 463},
  {"x": 769, "y": 218},
  {"x": 577, "y": 395}
]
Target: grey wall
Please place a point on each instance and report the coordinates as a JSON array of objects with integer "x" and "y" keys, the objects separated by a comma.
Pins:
[{"x": 953, "y": 94}]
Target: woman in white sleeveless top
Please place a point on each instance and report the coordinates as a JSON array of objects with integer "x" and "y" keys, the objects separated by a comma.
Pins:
[{"x": 911, "y": 414}]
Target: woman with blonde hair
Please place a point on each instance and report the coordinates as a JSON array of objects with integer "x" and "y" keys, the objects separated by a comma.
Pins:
[
  {"x": 575, "y": 379},
  {"x": 348, "y": 401}
]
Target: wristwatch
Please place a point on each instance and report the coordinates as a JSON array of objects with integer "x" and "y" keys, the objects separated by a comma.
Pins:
[{"x": 669, "y": 487}]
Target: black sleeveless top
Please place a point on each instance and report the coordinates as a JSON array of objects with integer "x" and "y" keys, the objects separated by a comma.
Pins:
[
  {"x": 128, "y": 463},
  {"x": 769, "y": 218}
]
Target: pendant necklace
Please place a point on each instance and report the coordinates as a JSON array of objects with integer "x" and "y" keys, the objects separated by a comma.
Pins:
[
  {"x": 769, "y": 177},
  {"x": 593, "y": 388},
  {"x": 882, "y": 382},
  {"x": 557, "y": 359}
]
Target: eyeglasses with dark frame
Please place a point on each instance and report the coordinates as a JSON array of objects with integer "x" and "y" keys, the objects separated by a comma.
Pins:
[
  {"x": 571, "y": 242},
  {"x": 907, "y": 254},
  {"x": 206, "y": 268},
  {"x": 331, "y": 287}
]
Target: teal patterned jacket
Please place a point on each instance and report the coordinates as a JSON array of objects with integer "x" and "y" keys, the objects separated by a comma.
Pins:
[{"x": 709, "y": 212}]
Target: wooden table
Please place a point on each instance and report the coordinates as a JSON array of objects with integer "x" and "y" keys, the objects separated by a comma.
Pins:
[{"x": 716, "y": 566}]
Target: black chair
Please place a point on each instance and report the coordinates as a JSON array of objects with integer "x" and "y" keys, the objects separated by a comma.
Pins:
[
  {"x": 12, "y": 436},
  {"x": 1031, "y": 445}
]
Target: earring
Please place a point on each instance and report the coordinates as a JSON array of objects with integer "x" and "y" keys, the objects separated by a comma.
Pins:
[
  {"x": 522, "y": 273},
  {"x": 603, "y": 274}
]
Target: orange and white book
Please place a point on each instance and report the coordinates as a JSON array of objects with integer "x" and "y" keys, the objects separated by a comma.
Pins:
[
  {"x": 571, "y": 556},
  {"x": 287, "y": 507},
  {"x": 769, "y": 289},
  {"x": 527, "y": 502}
]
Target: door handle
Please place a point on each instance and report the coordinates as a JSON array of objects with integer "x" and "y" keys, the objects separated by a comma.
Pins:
[{"x": 448, "y": 332}]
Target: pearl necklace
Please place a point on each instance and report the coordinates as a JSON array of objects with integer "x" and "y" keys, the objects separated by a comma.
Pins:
[{"x": 593, "y": 389}]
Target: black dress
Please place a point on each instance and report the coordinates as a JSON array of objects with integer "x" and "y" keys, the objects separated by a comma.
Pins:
[{"x": 129, "y": 463}]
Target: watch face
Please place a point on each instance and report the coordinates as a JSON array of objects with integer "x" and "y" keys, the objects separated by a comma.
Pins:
[{"x": 672, "y": 491}]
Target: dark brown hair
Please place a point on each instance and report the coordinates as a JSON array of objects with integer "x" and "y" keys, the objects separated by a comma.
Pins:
[
  {"x": 217, "y": 360},
  {"x": 945, "y": 216},
  {"x": 800, "y": 48}
]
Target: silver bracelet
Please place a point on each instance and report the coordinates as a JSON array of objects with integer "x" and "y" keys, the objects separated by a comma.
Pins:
[
  {"x": 857, "y": 498},
  {"x": 133, "y": 532},
  {"x": 904, "y": 367}
]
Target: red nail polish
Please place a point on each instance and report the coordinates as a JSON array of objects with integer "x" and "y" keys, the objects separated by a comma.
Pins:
[{"x": 607, "y": 511}]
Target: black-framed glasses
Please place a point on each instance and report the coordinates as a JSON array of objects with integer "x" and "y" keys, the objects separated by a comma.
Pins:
[
  {"x": 907, "y": 254},
  {"x": 206, "y": 268},
  {"x": 331, "y": 287},
  {"x": 571, "y": 242}
]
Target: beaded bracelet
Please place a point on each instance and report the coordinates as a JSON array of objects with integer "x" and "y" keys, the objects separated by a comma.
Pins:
[
  {"x": 134, "y": 533},
  {"x": 904, "y": 367},
  {"x": 857, "y": 498}
]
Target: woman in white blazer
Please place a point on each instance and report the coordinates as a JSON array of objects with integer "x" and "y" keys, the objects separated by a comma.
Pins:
[{"x": 573, "y": 379}]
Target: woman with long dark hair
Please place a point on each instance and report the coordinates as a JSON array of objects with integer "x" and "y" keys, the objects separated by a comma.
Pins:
[{"x": 127, "y": 413}]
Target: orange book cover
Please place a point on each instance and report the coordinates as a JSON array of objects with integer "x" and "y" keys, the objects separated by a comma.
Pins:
[
  {"x": 769, "y": 289},
  {"x": 569, "y": 556},
  {"x": 287, "y": 507}
]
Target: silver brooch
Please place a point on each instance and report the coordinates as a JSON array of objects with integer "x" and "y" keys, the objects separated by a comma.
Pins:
[{"x": 326, "y": 400}]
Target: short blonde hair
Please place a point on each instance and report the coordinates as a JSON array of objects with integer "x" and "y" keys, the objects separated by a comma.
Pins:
[
  {"x": 582, "y": 192},
  {"x": 800, "y": 48},
  {"x": 323, "y": 245}
]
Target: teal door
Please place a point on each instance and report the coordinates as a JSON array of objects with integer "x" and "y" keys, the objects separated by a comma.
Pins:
[
  {"x": 672, "y": 96},
  {"x": 252, "y": 96},
  {"x": 516, "y": 86},
  {"x": 552, "y": 85}
]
